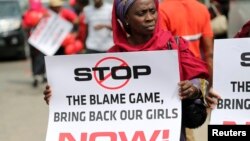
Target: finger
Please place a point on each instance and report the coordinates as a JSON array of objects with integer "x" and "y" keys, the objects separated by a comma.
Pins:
[
  {"x": 183, "y": 83},
  {"x": 209, "y": 99},
  {"x": 212, "y": 102},
  {"x": 209, "y": 102},
  {"x": 46, "y": 92},
  {"x": 212, "y": 105},
  {"x": 213, "y": 93},
  {"x": 185, "y": 94},
  {"x": 47, "y": 101},
  {"x": 183, "y": 97},
  {"x": 47, "y": 98},
  {"x": 47, "y": 95},
  {"x": 188, "y": 86},
  {"x": 187, "y": 89}
]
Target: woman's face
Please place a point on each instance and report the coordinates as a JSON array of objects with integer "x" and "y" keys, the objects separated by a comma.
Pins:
[
  {"x": 141, "y": 17},
  {"x": 56, "y": 9}
]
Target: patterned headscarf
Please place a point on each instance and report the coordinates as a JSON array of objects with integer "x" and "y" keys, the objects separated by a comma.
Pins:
[{"x": 122, "y": 7}]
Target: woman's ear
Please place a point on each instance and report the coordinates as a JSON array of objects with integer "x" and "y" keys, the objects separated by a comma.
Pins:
[
  {"x": 126, "y": 20},
  {"x": 126, "y": 23}
]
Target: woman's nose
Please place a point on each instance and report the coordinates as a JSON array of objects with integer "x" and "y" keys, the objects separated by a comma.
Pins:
[{"x": 149, "y": 16}]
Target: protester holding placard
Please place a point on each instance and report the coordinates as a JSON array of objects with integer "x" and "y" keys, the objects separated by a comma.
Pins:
[
  {"x": 71, "y": 16},
  {"x": 31, "y": 18},
  {"x": 191, "y": 20},
  {"x": 212, "y": 98},
  {"x": 136, "y": 28}
]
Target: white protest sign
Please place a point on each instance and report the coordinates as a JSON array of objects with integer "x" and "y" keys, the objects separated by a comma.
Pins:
[
  {"x": 50, "y": 33},
  {"x": 232, "y": 81},
  {"x": 114, "y": 97}
]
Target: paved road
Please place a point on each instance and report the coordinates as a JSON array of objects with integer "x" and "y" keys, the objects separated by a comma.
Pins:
[{"x": 23, "y": 113}]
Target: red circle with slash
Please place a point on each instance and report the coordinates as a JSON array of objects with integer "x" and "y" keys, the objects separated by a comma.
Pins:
[{"x": 107, "y": 82}]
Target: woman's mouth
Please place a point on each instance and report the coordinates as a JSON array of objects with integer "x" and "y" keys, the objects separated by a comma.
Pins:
[{"x": 150, "y": 27}]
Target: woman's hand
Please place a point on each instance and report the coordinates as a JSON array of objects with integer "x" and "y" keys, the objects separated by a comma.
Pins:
[
  {"x": 47, "y": 94},
  {"x": 187, "y": 90},
  {"x": 212, "y": 98}
]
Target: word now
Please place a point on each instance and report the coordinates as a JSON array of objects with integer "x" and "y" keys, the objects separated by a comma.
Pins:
[{"x": 113, "y": 136}]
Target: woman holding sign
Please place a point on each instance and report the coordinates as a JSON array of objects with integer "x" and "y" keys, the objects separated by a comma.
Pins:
[{"x": 136, "y": 28}]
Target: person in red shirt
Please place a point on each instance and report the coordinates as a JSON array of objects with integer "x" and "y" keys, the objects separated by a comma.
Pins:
[
  {"x": 31, "y": 18},
  {"x": 73, "y": 43},
  {"x": 191, "y": 20},
  {"x": 67, "y": 14},
  {"x": 82, "y": 28},
  {"x": 33, "y": 14}
]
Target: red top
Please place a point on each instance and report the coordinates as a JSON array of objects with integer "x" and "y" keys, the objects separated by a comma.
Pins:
[
  {"x": 187, "y": 18},
  {"x": 82, "y": 28},
  {"x": 68, "y": 14},
  {"x": 32, "y": 17}
]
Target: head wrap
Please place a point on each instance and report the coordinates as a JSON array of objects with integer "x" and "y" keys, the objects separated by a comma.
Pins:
[{"x": 122, "y": 8}]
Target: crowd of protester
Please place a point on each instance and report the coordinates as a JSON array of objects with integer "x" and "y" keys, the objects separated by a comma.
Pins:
[{"x": 94, "y": 31}]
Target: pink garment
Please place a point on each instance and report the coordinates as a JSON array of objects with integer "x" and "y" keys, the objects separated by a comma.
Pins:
[
  {"x": 35, "y": 4},
  {"x": 68, "y": 14},
  {"x": 33, "y": 14}
]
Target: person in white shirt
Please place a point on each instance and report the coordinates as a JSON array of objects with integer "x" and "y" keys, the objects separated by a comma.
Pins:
[{"x": 99, "y": 30}]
